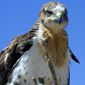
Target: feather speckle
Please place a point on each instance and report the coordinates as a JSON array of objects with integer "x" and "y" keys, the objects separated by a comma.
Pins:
[{"x": 41, "y": 56}]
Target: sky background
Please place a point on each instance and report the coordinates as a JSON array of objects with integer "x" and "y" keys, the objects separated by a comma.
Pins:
[{"x": 18, "y": 16}]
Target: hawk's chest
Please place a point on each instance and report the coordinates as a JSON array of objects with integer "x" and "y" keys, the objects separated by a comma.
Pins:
[{"x": 32, "y": 69}]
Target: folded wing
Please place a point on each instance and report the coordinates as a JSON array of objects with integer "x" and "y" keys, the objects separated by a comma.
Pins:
[{"x": 13, "y": 52}]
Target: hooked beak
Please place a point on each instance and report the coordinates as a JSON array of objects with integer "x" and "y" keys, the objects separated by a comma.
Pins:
[
  {"x": 58, "y": 20},
  {"x": 61, "y": 18}
]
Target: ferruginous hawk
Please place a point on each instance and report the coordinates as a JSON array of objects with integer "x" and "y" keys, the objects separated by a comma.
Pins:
[{"x": 42, "y": 55}]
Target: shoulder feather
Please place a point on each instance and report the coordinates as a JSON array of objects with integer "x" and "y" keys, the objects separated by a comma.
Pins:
[{"x": 13, "y": 52}]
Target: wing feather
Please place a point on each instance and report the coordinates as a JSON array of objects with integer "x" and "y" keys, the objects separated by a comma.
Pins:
[
  {"x": 13, "y": 52},
  {"x": 74, "y": 57}
]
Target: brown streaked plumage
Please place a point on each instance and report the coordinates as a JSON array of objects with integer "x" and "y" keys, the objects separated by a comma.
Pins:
[
  {"x": 59, "y": 41},
  {"x": 42, "y": 55}
]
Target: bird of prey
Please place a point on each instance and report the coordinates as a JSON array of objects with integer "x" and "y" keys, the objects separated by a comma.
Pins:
[{"x": 42, "y": 55}]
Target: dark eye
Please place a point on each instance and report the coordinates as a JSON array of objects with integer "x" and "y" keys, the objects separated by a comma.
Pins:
[{"x": 49, "y": 13}]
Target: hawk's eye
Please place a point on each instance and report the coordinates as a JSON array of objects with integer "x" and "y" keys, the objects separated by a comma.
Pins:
[{"x": 49, "y": 13}]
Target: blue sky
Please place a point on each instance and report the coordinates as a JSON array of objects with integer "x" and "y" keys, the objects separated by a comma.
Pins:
[{"x": 18, "y": 16}]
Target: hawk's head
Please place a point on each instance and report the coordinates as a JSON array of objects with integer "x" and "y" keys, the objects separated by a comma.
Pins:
[{"x": 54, "y": 16}]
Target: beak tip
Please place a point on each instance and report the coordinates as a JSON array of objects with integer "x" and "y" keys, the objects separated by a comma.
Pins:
[{"x": 58, "y": 20}]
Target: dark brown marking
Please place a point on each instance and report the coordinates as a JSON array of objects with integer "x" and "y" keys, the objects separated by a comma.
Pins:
[
  {"x": 16, "y": 83},
  {"x": 19, "y": 76},
  {"x": 25, "y": 80},
  {"x": 41, "y": 80},
  {"x": 35, "y": 81},
  {"x": 26, "y": 73}
]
